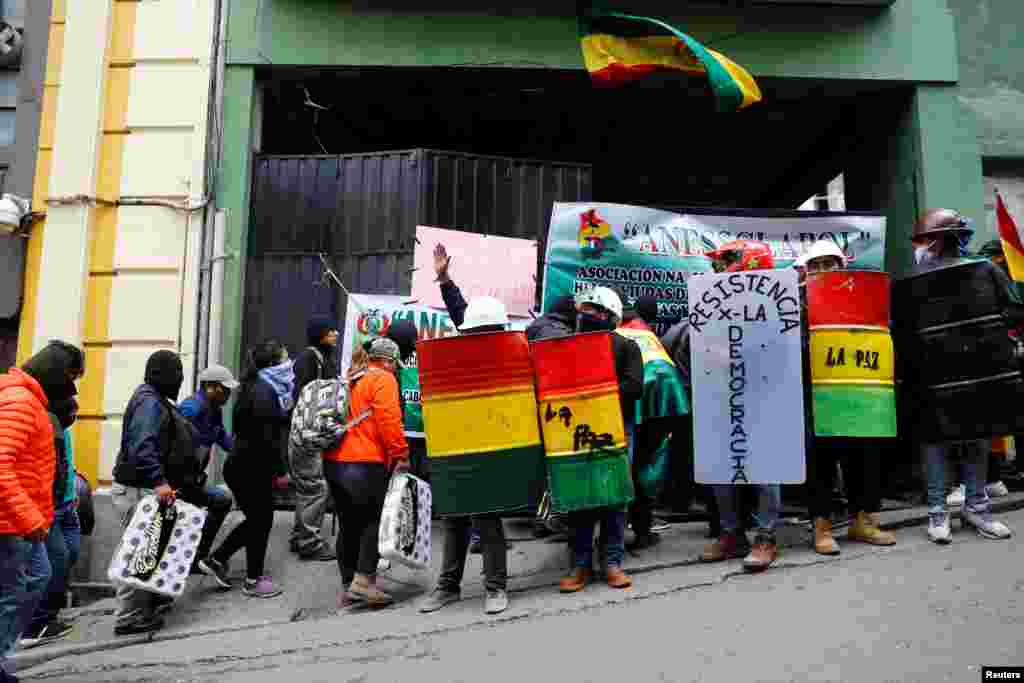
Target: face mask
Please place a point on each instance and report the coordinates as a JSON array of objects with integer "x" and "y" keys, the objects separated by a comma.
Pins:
[{"x": 589, "y": 323}]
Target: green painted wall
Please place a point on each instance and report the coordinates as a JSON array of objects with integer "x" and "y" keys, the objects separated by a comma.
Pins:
[
  {"x": 991, "y": 55},
  {"x": 911, "y": 41}
]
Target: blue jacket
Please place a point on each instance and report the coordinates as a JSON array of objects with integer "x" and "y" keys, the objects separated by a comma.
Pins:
[
  {"x": 157, "y": 444},
  {"x": 208, "y": 421}
]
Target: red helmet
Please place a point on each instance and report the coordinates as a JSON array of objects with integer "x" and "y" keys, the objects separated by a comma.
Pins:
[{"x": 739, "y": 255}]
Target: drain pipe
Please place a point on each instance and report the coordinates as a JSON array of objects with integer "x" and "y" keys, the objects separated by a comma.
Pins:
[{"x": 216, "y": 288}]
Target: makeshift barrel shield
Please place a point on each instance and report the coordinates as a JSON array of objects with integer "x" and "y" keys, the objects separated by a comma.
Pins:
[
  {"x": 851, "y": 354},
  {"x": 480, "y": 419},
  {"x": 664, "y": 393},
  {"x": 959, "y": 364},
  {"x": 581, "y": 418}
]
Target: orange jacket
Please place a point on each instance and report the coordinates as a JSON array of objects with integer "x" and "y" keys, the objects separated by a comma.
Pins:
[
  {"x": 28, "y": 459},
  {"x": 379, "y": 438}
]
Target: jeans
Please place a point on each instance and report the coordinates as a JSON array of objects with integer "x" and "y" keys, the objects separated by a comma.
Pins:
[
  {"x": 456, "y": 547},
  {"x": 613, "y": 535},
  {"x": 973, "y": 459},
  {"x": 861, "y": 460},
  {"x": 62, "y": 547},
  {"x": 24, "y": 575},
  {"x": 253, "y": 489},
  {"x": 769, "y": 506},
  {"x": 359, "y": 489},
  {"x": 311, "y": 495}
]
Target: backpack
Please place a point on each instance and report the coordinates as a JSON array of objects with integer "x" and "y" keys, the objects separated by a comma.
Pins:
[{"x": 320, "y": 420}]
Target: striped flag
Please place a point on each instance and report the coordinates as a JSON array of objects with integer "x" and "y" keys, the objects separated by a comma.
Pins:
[
  {"x": 664, "y": 392},
  {"x": 480, "y": 418},
  {"x": 1013, "y": 245},
  {"x": 618, "y": 48}
]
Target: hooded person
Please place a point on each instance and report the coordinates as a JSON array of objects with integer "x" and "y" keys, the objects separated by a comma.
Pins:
[
  {"x": 159, "y": 456},
  {"x": 940, "y": 240},
  {"x": 27, "y": 472},
  {"x": 560, "y": 321},
  {"x": 317, "y": 360}
]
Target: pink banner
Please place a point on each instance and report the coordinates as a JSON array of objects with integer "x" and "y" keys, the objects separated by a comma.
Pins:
[{"x": 502, "y": 267}]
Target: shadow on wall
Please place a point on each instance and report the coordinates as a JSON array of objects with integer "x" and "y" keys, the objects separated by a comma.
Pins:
[{"x": 8, "y": 349}]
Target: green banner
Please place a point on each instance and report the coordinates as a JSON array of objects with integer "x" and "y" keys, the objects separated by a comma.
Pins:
[{"x": 647, "y": 251}]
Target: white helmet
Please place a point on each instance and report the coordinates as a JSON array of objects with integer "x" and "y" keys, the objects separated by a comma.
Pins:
[
  {"x": 824, "y": 247},
  {"x": 482, "y": 311},
  {"x": 603, "y": 297}
]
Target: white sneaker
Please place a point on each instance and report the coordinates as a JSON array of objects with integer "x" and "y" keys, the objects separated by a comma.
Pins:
[
  {"x": 985, "y": 525},
  {"x": 997, "y": 490},
  {"x": 958, "y": 496},
  {"x": 939, "y": 530}
]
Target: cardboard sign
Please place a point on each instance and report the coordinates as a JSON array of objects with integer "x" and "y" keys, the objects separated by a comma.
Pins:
[
  {"x": 482, "y": 265},
  {"x": 745, "y": 350}
]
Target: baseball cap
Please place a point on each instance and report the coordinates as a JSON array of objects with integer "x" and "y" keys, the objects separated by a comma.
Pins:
[{"x": 220, "y": 375}]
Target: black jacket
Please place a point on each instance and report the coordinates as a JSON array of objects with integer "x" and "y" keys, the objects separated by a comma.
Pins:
[
  {"x": 260, "y": 427},
  {"x": 454, "y": 302},
  {"x": 60, "y": 478},
  {"x": 308, "y": 368},
  {"x": 550, "y": 325},
  {"x": 629, "y": 367},
  {"x": 677, "y": 342},
  {"x": 157, "y": 444}
]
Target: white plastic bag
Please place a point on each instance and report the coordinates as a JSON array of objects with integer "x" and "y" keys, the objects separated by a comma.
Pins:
[
  {"x": 405, "y": 522},
  {"x": 143, "y": 562}
]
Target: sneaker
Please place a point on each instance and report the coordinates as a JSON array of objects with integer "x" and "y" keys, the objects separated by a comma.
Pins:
[
  {"x": 262, "y": 587},
  {"x": 55, "y": 630},
  {"x": 496, "y": 602},
  {"x": 939, "y": 530},
  {"x": 322, "y": 554},
  {"x": 438, "y": 599},
  {"x": 762, "y": 555},
  {"x": 139, "y": 627},
  {"x": 997, "y": 490},
  {"x": 217, "y": 569},
  {"x": 659, "y": 525},
  {"x": 985, "y": 525},
  {"x": 957, "y": 497}
]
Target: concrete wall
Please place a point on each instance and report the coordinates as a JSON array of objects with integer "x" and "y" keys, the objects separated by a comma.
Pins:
[{"x": 124, "y": 123}]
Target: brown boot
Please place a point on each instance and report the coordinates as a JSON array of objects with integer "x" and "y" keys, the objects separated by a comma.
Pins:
[
  {"x": 824, "y": 544},
  {"x": 865, "y": 529},
  {"x": 364, "y": 589},
  {"x": 728, "y": 547},
  {"x": 575, "y": 581},
  {"x": 762, "y": 555},
  {"x": 618, "y": 578}
]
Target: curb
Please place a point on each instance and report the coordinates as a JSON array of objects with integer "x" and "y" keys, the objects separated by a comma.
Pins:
[{"x": 534, "y": 581}]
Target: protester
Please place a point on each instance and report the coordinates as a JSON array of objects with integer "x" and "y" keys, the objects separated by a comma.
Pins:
[
  {"x": 27, "y": 469},
  {"x": 860, "y": 458},
  {"x": 739, "y": 256},
  {"x": 405, "y": 335},
  {"x": 600, "y": 310},
  {"x": 317, "y": 361},
  {"x": 64, "y": 540},
  {"x": 560, "y": 321},
  {"x": 940, "y": 239},
  {"x": 358, "y": 471},
  {"x": 256, "y": 466}
]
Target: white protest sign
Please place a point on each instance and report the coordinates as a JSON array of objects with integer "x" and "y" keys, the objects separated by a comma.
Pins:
[{"x": 748, "y": 394}]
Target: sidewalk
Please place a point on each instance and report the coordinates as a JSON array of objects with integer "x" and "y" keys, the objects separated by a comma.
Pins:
[{"x": 311, "y": 588}]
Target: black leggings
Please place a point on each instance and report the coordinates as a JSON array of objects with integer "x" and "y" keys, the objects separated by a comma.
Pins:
[
  {"x": 358, "y": 489},
  {"x": 861, "y": 460},
  {"x": 254, "y": 492}
]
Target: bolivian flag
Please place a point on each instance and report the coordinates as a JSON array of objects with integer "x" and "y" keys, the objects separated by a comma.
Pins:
[
  {"x": 480, "y": 419},
  {"x": 581, "y": 418},
  {"x": 1013, "y": 245},
  {"x": 618, "y": 48},
  {"x": 664, "y": 393}
]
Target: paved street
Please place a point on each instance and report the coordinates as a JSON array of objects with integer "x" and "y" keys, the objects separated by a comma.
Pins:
[{"x": 916, "y": 612}]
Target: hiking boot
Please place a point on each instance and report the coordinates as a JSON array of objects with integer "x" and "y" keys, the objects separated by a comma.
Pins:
[
  {"x": 322, "y": 554},
  {"x": 575, "y": 581},
  {"x": 139, "y": 627},
  {"x": 364, "y": 591},
  {"x": 997, "y": 490},
  {"x": 824, "y": 544},
  {"x": 496, "y": 602},
  {"x": 643, "y": 542},
  {"x": 438, "y": 599},
  {"x": 865, "y": 529},
  {"x": 53, "y": 631},
  {"x": 617, "y": 578},
  {"x": 263, "y": 587},
  {"x": 985, "y": 525},
  {"x": 218, "y": 570},
  {"x": 762, "y": 554},
  {"x": 728, "y": 547},
  {"x": 939, "y": 529}
]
